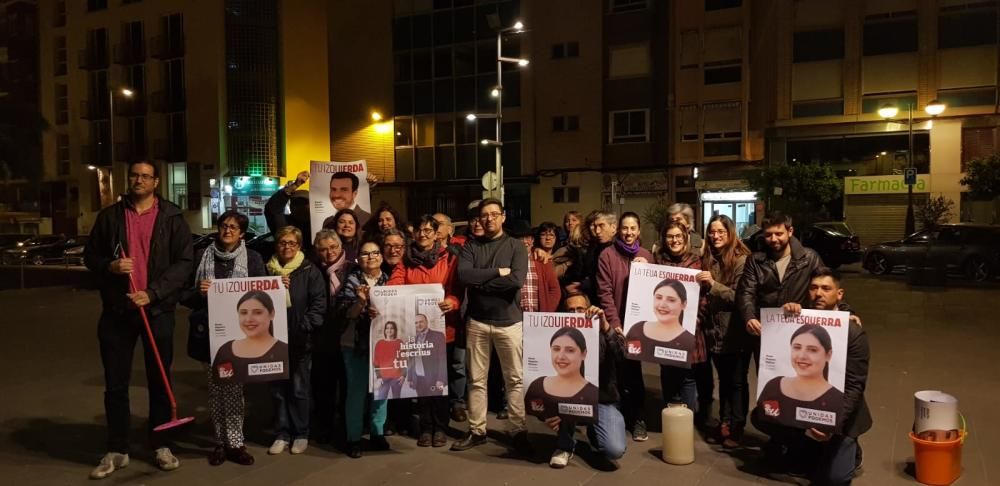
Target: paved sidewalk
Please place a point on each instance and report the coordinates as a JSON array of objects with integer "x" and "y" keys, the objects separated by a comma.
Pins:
[{"x": 52, "y": 432}]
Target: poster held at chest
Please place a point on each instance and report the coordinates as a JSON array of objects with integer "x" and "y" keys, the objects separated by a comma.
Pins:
[
  {"x": 407, "y": 353},
  {"x": 248, "y": 329},
  {"x": 334, "y": 186},
  {"x": 661, "y": 315},
  {"x": 561, "y": 353},
  {"x": 802, "y": 371}
]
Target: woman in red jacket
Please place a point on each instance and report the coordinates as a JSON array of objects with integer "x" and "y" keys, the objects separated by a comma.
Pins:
[{"x": 427, "y": 262}]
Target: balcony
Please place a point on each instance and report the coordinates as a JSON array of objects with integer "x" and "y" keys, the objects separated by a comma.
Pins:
[
  {"x": 168, "y": 101},
  {"x": 96, "y": 154},
  {"x": 170, "y": 150},
  {"x": 134, "y": 106},
  {"x": 130, "y": 53},
  {"x": 93, "y": 110},
  {"x": 165, "y": 47},
  {"x": 92, "y": 59},
  {"x": 127, "y": 152}
]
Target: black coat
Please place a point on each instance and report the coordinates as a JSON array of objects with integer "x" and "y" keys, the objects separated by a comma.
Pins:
[
  {"x": 169, "y": 265},
  {"x": 857, "y": 417},
  {"x": 308, "y": 310},
  {"x": 760, "y": 287},
  {"x": 274, "y": 214}
]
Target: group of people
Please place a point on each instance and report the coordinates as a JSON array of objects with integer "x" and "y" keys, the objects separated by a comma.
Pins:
[{"x": 491, "y": 275}]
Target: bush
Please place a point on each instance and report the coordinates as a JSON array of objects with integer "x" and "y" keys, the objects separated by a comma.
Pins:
[{"x": 935, "y": 212}]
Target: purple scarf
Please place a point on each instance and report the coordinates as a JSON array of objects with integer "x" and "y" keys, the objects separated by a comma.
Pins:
[{"x": 628, "y": 250}]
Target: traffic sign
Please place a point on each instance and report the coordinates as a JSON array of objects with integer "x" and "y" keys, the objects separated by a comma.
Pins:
[{"x": 910, "y": 176}]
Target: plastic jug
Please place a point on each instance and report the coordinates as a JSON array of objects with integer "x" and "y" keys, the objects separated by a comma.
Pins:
[{"x": 678, "y": 434}]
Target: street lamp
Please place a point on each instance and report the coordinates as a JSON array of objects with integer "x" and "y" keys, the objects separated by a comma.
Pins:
[
  {"x": 128, "y": 93},
  {"x": 934, "y": 108}
]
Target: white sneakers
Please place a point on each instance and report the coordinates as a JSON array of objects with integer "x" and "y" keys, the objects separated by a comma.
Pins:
[
  {"x": 560, "y": 459},
  {"x": 110, "y": 462},
  {"x": 277, "y": 447},
  {"x": 299, "y": 446},
  {"x": 165, "y": 460}
]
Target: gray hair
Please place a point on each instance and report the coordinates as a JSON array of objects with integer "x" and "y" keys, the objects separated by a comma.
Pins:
[
  {"x": 683, "y": 209},
  {"x": 327, "y": 234},
  {"x": 607, "y": 216}
]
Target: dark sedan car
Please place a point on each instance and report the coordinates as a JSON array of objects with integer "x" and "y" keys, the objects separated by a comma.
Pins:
[
  {"x": 972, "y": 250},
  {"x": 11, "y": 240},
  {"x": 73, "y": 255},
  {"x": 834, "y": 241},
  {"x": 40, "y": 250}
]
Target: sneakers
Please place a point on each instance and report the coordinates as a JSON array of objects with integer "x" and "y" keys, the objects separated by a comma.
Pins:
[
  {"x": 639, "y": 433},
  {"x": 165, "y": 460},
  {"x": 470, "y": 441},
  {"x": 560, "y": 459},
  {"x": 108, "y": 464},
  {"x": 299, "y": 446},
  {"x": 277, "y": 447}
]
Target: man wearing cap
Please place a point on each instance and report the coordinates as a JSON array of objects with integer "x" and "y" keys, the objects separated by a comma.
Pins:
[{"x": 298, "y": 202}]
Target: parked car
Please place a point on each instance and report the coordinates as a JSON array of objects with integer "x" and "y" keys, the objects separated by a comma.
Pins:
[
  {"x": 972, "y": 250},
  {"x": 834, "y": 241},
  {"x": 74, "y": 254},
  {"x": 40, "y": 250},
  {"x": 12, "y": 240},
  {"x": 263, "y": 244}
]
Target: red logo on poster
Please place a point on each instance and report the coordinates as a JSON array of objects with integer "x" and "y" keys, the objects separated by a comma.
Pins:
[
  {"x": 635, "y": 347},
  {"x": 771, "y": 408},
  {"x": 537, "y": 406},
  {"x": 225, "y": 370}
]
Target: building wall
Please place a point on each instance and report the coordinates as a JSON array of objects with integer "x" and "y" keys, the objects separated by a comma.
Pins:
[{"x": 305, "y": 89}]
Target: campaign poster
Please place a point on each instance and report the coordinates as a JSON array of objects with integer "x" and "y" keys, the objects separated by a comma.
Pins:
[
  {"x": 661, "y": 314},
  {"x": 248, "y": 329},
  {"x": 803, "y": 361},
  {"x": 407, "y": 352},
  {"x": 334, "y": 186},
  {"x": 561, "y": 353}
]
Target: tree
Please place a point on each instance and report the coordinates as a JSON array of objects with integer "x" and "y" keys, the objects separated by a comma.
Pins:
[
  {"x": 936, "y": 211},
  {"x": 982, "y": 177},
  {"x": 656, "y": 213},
  {"x": 805, "y": 190}
]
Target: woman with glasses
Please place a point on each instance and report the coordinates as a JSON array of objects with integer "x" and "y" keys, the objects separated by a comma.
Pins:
[
  {"x": 305, "y": 302},
  {"x": 428, "y": 262},
  {"x": 227, "y": 257},
  {"x": 353, "y": 305}
]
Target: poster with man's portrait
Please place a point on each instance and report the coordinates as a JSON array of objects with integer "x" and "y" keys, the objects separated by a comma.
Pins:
[
  {"x": 561, "y": 353},
  {"x": 408, "y": 350},
  {"x": 334, "y": 186},
  {"x": 661, "y": 314},
  {"x": 803, "y": 360},
  {"x": 248, "y": 333}
]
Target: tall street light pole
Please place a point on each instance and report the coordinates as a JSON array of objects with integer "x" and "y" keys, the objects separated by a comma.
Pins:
[{"x": 128, "y": 93}]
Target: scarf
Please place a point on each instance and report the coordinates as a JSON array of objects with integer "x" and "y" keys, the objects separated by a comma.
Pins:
[
  {"x": 206, "y": 267},
  {"x": 277, "y": 269},
  {"x": 415, "y": 256},
  {"x": 335, "y": 274},
  {"x": 626, "y": 249}
]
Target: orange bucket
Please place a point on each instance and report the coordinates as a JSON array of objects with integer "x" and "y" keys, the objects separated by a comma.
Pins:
[{"x": 938, "y": 463}]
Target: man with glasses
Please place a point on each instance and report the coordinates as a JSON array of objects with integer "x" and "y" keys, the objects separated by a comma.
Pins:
[
  {"x": 393, "y": 247},
  {"x": 492, "y": 268},
  {"x": 158, "y": 269}
]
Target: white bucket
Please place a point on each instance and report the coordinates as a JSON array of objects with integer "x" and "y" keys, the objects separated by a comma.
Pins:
[{"x": 935, "y": 410}]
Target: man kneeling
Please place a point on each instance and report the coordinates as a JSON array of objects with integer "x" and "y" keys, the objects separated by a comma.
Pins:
[{"x": 826, "y": 458}]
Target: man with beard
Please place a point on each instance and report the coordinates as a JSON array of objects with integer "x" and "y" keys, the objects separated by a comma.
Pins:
[{"x": 343, "y": 195}]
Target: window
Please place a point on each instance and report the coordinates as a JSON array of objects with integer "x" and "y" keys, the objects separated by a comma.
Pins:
[
  {"x": 135, "y": 78},
  {"x": 628, "y": 61},
  {"x": 724, "y": 73},
  {"x": 401, "y": 28},
  {"x": 722, "y": 129},
  {"x": 62, "y": 154},
  {"x": 967, "y": 25},
  {"x": 442, "y": 62},
  {"x": 565, "y": 194},
  {"x": 173, "y": 71},
  {"x": 404, "y": 132},
  {"x": 629, "y": 126},
  {"x": 95, "y": 5},
  {"x": 59, "y": 17},
  {"x": 818, "y": 45},
  {"x": 985, "y": 96},
  {"x": 618, "y": 6},
  {"x": 721, "y": 4},
  {"x": 178, "y": 184},
  {"x": 62, "y": 104},
  {"x": 60, "y": 57},
  {"x": 689, "y": 123},
  {"x": 565, "y": 49},
  {"x": 890, "y": 33},
  {"x": 804, "y": 109},
  {"x": 565, "y": 123},
  {"x": 978, "y": 143},
  {"x": 173, "y": 29},
  {"x": 871, "y": 103}
]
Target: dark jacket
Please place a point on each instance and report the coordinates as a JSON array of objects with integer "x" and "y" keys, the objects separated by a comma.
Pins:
[
  {"x": 356, "y": 332},
  {"x": 435, "y": 365},
  {"x": 308, "y": 310},
  {"x": 612, "y": 352},
  {"x": 760, "y": 287},
  {"x": 493, "y": 299},
  {"x": 612, "y": 281},
  {"x": 274, "y": 214},
  {"x": 170, "y": 257},
  {"x": 198, "y": 345},
  {"x": 587, "y": 273},
  {"x": 724, "y": 332},
  {"x": 857, "y": 417}
]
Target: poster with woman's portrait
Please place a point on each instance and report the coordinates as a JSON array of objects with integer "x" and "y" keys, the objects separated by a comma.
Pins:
[
  {"x": 803, "y": 358},
  {"x": 334, "y": 186},
  {"x": 561, "y": 353},
  {"x": 408, "y": 347},
  {"x": 661, "y": 314},
  {"x": 249, "y": 329}
]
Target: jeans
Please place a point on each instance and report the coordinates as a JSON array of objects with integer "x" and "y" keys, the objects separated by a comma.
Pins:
[
  {"x": 705, "y": 382},
  {"x": 734, "y": 393},
  {"x": 433, "y": 414},
  {"x": 390, "y": 388},
  {"x": 117, "y": 334},
  {"x": 328, "y": 391},
  {"x": 678, "y": 385},
  {"x": 357, "y": 366},
  {"x": 607, "y": 435},
  {"x": 480, "y": 339},
  {"x": 827, "y": 463},
  {"x": 457, "y": 374},
  {"x": 632, "y": 389},
  {"x": 291, "y": 399}
]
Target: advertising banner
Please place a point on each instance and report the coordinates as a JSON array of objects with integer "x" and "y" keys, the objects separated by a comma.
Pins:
[
  {"x": 662, "y": 314},
  {"x": 248, "y": 329},
  {"x": 334, "y": 186},
  {"x": 561, "y": 353},
  {"x": 407, "y": 351}
]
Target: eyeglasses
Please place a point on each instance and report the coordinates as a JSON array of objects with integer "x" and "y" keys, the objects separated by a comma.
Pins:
[
  {"x": 718, "y": 232},
  {"x": 231, "y": 227},
  {"x": 141, "y": 177},
  {"x": 288, "y": 243},
  {"x": 394, "y": 247},
  {"x": 679, "y": 237},
  {"x": 369, "y": 254},
  {"x": 488, "y": 216},
  {"x": 427, "y": 231}
]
